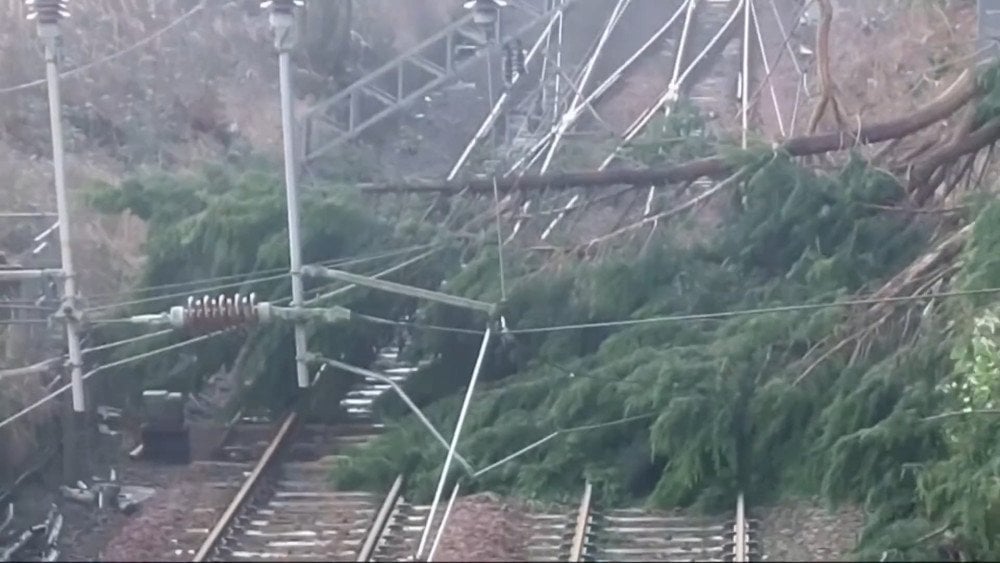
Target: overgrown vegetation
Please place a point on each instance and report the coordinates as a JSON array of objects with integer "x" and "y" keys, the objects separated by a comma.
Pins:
[
  {"x": 687, "y": 411},
  {"x": 227, "y": 220},
  {"x": 728, "y": 389}
]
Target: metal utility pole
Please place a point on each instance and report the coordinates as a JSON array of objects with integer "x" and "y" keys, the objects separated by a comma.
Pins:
[
  {"x": 48, "y": 13},
  {"x": 75, "y": 452},
  {"x": 282, "y": 20},
  {"x": 745, "y": 74}
]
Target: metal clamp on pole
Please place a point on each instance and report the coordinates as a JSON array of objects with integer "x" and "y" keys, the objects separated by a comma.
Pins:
[{"x": 485, "y": 13}]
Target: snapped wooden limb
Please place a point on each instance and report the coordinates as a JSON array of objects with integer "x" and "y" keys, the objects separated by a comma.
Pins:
[{"x": 828, "y": 91}]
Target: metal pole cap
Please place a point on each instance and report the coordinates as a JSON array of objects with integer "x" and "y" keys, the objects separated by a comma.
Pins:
[{"x": 47, "y": 11}]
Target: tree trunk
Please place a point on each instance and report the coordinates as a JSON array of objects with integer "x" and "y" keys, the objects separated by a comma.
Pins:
[{"x": 963, "y": 91}]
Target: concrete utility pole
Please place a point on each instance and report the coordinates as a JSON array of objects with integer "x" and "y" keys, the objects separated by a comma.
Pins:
[
  {"x": 282, "y": 20},
  {"x": 48, "y": 13}
]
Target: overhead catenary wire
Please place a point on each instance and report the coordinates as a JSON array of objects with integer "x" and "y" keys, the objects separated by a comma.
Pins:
[
  {"x": 130, "y": 340},
  {"x": 758, "y": 311},
  {"x": 40, "y": 402},
  {"x": 767, "y": 69},
  {"x": 261, "y": 273},
  {"x": 338, "y": 262},
  {"x": 42, "y": 366},
  {"x": 47, "y": 364}
]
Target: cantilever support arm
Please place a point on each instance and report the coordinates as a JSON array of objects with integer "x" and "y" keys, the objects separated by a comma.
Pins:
[
  {"x": 398, "y": 288},
  {"x": 19, "y": 274}
]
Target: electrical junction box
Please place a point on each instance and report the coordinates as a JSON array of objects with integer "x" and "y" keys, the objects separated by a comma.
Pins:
[{"x": 165, "y": 434}]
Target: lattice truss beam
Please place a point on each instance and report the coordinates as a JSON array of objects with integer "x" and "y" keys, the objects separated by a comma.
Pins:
[{"x": 397, "y": 84}]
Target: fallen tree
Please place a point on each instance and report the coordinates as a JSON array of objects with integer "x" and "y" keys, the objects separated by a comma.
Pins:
[{"x": 964, "y": 91}]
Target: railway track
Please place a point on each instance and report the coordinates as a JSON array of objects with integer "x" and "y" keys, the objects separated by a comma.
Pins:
[
  {"x": 633, "y": 534},
  {"x": 395, "y": 534},
  {"x": 283, "y": 508},
  {"x": 583, "y": 533}
]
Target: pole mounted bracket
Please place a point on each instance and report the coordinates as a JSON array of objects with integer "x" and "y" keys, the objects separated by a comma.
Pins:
[
  {"x": 68, "y": 312},
  {"x": 282, "y": 19}
]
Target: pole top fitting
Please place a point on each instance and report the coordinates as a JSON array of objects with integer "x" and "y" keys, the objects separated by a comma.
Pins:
[
  {"x": 282, "y": 19},
  {"x": 485, "y": 12},
  {"x": 47, "y": 12},
  {"x": 282, "y": 6}
]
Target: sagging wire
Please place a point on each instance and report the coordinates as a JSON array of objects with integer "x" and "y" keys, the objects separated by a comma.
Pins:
[
  {"x": 18, "y": 415},
  {"x": 47, "y": 364},
  {"x": 758, "y": 311}
]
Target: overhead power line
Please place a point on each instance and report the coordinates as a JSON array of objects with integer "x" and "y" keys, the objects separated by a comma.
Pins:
[
  {"x": 253, "y": 280},
  {"x": 47, "y": 364},
  {"x": 759, "y": 311},
  {"x": 118, "y": 54}
]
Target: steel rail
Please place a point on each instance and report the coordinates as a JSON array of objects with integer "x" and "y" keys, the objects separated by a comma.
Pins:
[
  {"x": 381, "y": 520},
  {"x": 741, "y": 551},
  {"x": 582, "y": 525},
  {"x": 244, "y": 495}
]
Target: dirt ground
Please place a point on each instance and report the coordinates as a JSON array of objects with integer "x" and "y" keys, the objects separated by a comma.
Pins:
[
  {"x": 805, "y": 530},
  {"x": 886, "y": 59},
  {"x": 484, "y": 527},
  {"x": 86, "y": 529},
  {"x": 188, "y": 499}
]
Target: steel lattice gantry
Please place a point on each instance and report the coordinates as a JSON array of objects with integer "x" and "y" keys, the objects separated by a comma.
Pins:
[{"x": 404, "y": 80}]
